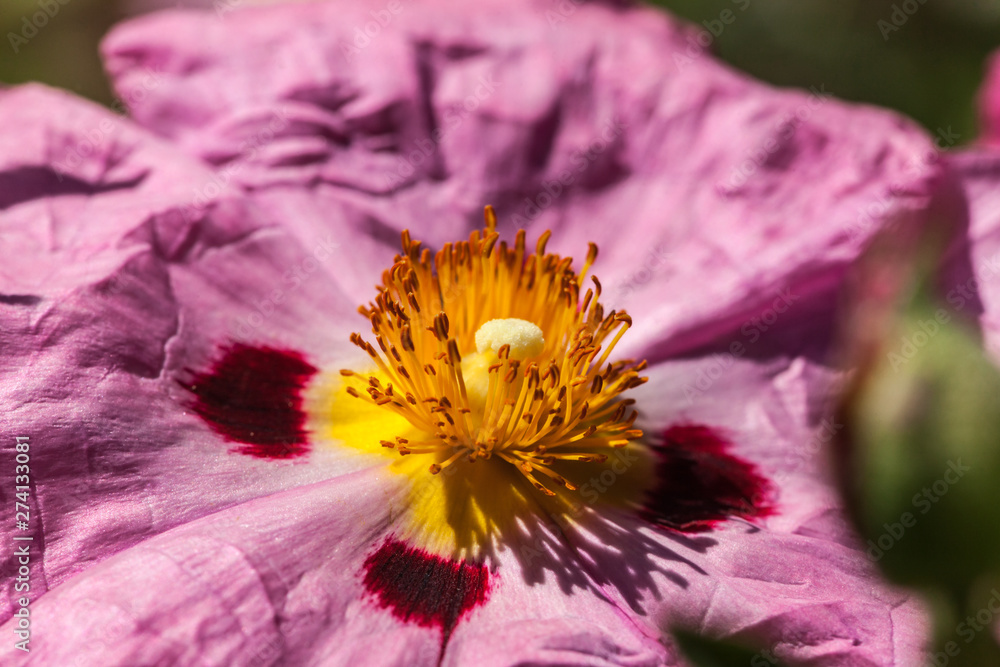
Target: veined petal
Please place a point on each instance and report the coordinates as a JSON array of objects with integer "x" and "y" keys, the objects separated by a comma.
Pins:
[
  {"x": 544, "y": 609},
  {"x": 725, "y": 183},
  {"x": 84, "y": 190},
  {"x": 274, "y": 579},
  {"x": 795, "y": 582},
  {"x": 605, "y": 122},
  {"x": 619, "y": 122},
  {"x": 771, "y": 412},
  {"x": 113, "y": 287}
]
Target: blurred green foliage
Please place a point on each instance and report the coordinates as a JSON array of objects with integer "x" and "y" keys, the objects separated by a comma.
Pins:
[
  {"x": 921, "y": 459},
  {"x": 63, "y": 51},
  {"x": 930, "y": 68}
]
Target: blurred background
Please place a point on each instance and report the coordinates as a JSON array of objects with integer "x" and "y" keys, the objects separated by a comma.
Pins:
[{"x": 927, "y": 63}]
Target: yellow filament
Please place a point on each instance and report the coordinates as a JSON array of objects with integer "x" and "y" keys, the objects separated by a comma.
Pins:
[{"x": 555, "y": 398}]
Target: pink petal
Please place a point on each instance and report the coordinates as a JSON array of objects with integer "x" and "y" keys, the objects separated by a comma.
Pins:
[
  {"x": 700, "y": 483},
  {"x": 773, "y": 411},
  {"x": 311, "y": 141},
  {"x": 545, "y": 609},
  {"x": 85, "y": 191},
  {"x": 989, "y": 103},
  {"x": 972, "y": 288},
  {"x": 797, "y": 582},
  {"x": 254, "y": 396},
  {"x": 328, "y": 139},
  {"x": 282, "y": 579},
  {"x": 108, "y": 292},
  {"x": 423, "y": 588},
  {"x": 274, "y": 579}
]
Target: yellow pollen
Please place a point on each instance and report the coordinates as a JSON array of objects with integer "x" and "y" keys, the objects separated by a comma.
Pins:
[
  {"x": 523, "y": 338},
  {"x": 488, "y": 351}
]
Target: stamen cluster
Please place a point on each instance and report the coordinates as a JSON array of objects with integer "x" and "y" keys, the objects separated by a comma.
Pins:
[{"x": 561, "y": 405}]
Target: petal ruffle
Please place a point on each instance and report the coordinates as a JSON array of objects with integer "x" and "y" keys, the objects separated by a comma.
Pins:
[
  {"x": 576, "y": 122},
  {"x": 280, "y": 579},
  {"x": 274, "y": 579},
  {"x": 796, "y": 583},
  {"x": 110, "y": 291},
  {"x": 344, "y": 152}
]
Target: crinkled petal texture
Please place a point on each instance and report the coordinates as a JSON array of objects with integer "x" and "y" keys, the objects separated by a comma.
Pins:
[
  {"x": 602, "y": 123},
  {"x": 109, "y": 292},
  {"x": 170, "y": 285},
  {"x": 793, "y": 583}
]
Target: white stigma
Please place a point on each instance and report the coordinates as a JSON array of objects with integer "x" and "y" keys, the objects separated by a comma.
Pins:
[{"x": 524, "y": 338}]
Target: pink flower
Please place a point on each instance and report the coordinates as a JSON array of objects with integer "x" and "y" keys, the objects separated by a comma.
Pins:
[
  {"x": 177, "y": 308},
  {"x": 973, "y": 279},
  {"x": 989, "y": 103}
]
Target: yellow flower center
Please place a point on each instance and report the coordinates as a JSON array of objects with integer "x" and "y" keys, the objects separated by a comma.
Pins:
[{"x": 488, "y": 351}]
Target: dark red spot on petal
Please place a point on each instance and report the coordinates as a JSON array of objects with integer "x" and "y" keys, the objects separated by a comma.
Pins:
[
  {"x": 699, "y": 483},
  {"x": 418, "y": 587},
  {"x": 253, "y": 396}
]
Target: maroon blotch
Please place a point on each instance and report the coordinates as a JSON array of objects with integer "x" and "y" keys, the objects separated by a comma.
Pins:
[
  {"x": 418, "y": 587},
  {"x": 253, "y": 396},
  {"x": 699, "y": 483}
]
